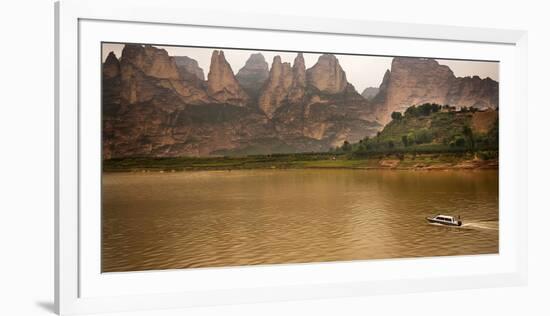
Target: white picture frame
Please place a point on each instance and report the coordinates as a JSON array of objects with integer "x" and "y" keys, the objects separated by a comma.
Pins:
[{"x": 79, "y": 285}]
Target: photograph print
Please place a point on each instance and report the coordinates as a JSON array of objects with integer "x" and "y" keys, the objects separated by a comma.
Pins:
[{"x": 224, "y": 157}]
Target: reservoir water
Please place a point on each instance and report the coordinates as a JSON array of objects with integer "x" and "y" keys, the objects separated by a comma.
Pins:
[{"x": 154, "y": 221}]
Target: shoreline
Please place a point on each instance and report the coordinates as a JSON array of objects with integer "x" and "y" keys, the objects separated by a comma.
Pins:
[{"x": 419, "y": 163}]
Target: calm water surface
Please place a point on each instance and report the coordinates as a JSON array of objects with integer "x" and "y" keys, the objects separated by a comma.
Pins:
[{"x": 229, "y": 218}]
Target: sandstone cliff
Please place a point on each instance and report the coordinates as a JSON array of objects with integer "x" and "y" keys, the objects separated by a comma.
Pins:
[
  {"x": 148, "y": 73},
  {"x": 111, "y": 87},
  {"x": 298, "y": 86},
  {"x": 155, "y": 105},
  {"x": 414, "y": 81},
  {"x": 222, "y": 84},
  {"x": 189, "y": 66},
  {"x": 285, "y": 85},
  {"x": 474, "y": 91},
  {"x": 327, "y": 75},
  {"x": 253, "y": 75},
  {"x": 111, "y": 66},
  {"x": 321, "y": 110}
]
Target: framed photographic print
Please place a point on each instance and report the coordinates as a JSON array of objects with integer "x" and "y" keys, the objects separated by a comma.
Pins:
[{"x": 212, "y": 157}]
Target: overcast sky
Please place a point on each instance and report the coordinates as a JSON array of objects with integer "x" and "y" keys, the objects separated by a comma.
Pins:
[{"x": 361, "y": 71}]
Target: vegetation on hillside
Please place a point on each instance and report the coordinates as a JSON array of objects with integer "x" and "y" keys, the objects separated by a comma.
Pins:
[{"x": 432, "y": 128}]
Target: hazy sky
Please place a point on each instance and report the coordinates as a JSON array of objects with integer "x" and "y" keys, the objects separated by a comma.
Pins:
[{"x": 361, "y": 71}]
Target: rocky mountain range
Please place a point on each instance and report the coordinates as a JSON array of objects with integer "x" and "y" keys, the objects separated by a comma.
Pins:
[{"x": 159, "y": 105}]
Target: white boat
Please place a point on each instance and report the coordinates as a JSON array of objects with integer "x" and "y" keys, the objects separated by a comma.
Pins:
[{"x": 445, "y": 220}]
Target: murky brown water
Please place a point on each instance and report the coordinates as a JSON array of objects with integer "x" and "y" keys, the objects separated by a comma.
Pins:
[{"x": 228, "y": 218}]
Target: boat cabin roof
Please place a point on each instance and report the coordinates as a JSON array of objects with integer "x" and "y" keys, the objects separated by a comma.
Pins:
[{"x": 445, "y": 216}]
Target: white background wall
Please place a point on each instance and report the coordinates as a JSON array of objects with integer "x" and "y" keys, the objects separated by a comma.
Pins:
[{"x": 26, "y": 157}]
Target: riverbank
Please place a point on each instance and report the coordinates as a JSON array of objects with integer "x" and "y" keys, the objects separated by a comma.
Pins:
[{"x": 452, "y": 161}]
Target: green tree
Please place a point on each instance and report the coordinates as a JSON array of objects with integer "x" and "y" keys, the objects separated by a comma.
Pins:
[
  {"x": 405, "y": 140},
  {"x": 460, "y": 142},
  {"x": 411, "y": 138},
  {"x": 469, "y": 135},
  {"x": 346, "y": 147},
  {"x": 492, "y": 135},
  {"x": 396, "y": 116},
  {"x": 424, "y": 136},
  {"x": 425, "y": 109},
  {"x": 411, "y": 111}
]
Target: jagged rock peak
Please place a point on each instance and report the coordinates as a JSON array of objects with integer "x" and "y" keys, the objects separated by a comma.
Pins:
[
  {"x": 297, "y": 90},
  {"x": 276, "y": 60},
  {"x": 327, "y": 75},
  {"x": 278, "y": 65},
  {"x": 276, "y": 88},
  {"x": 386, "y": 76},
  {"x": 299, "y": 68},
  {"x": 256, "y": 60},
  {"x": 253, "y": 74},
  {"x": 111, "y": 66},
  {"x": 152, "y": 61},
  {"x": 188, "y": 65},
  {"x": 222, "y": 84},
  {"x": 285, "y": 84}
]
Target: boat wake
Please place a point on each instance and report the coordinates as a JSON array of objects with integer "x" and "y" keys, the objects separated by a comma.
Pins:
[
  {"x": 486, "y": 225},
  {"x": 477, "y": 225}
]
